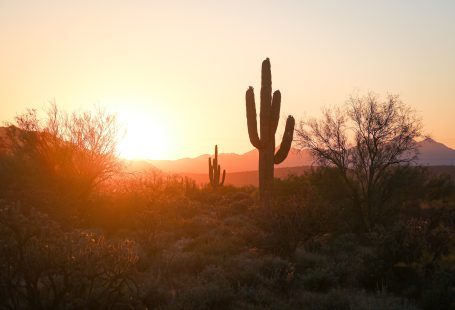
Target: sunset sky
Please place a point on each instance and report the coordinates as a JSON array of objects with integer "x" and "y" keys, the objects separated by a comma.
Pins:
[{"x": 176, "y": 72}]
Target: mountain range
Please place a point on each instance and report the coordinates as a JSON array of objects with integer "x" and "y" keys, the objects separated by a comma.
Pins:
[
  {"x": 431, "y": 153},
  {"x": 242, "y": 169}
]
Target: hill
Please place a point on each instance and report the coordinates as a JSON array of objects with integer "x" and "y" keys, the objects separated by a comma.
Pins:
[
  {"x": 230, "y": 161},
  {"x": 431, "y": 153}
]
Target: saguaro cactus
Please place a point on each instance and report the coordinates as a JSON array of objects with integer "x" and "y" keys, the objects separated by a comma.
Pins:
[
  {"x": 269, "y": 117},
  {"x": 214, "y": 171}
]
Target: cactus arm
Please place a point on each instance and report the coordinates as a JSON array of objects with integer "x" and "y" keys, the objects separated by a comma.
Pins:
[
  {"x": 266, "y": 102},
  {"x": 275, "y": 117},
  {"x": 210, "y": 171},
  {"x": 224, "y": 177},
  {"x": 251, "y": 118},
  {"x": 286, "y": 142},
  {"x": 218, "y": 173}
]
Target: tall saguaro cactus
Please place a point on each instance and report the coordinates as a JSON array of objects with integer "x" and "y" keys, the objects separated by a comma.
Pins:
[
  {"x": 214, "y": 171},
  {"x": 269, "y": 117}
]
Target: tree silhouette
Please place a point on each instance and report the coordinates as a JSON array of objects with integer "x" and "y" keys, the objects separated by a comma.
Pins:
[{"x": 364, "y": 140}]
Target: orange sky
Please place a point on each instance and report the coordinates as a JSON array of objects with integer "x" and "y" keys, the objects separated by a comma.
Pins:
[{"x": 176, "y": 72}]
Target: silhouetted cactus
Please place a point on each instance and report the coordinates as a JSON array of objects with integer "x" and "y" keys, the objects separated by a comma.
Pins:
[
  {"x": 214, "y": 171},
  {"x": 269, "y": 117}
]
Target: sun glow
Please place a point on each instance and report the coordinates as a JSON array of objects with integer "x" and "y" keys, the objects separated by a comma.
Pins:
[{"x": 145, "y": 137}]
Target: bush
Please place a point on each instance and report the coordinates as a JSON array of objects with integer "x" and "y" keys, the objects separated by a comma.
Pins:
[
  {"x": 210, "y": 290},
  {"x": 43, "y": 266},
  {"x": 305, "y": 260},
  {"x": 318, "y": 280},
  {"x": 439, "y": 290},
  {"x": 350, "y": 300},
  {"x": 334, "y": 300},
  {"x": 284, "y": 227},
  {"x": 379, "y": 301}
]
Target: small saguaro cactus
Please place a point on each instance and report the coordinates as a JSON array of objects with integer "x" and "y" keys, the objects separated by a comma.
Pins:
[
  {"x": 214, "y": 171},
  {"x": 269, "y": 117}
]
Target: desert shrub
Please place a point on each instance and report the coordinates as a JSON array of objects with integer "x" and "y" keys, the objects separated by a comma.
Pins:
[
  {"x": 250, "y": 271},
  {"x": 44, "y": 266},
  {"x": 243, "y": 270},
  {"x": 339, "y": 299},
  {"x": 277, "y": 273},
  {"x": 209, "y": 290},
  {"x": 333, "y": 300},
  {"x": 413, "y": 240},
  {"x": 360, "y": 300},
  {"x": 184, "y": 263},
  {"x": 283, "y": 225},
  {"x": 239, "y": 196},
  {"x": 155, "y": 294},
  {"x": 234, "y": 208},
  {"x": 439, "y": 187},
  {"x": 391, "y": 264},
  {"x": 67, "y": 155},
  {"x": 216, "y": 242},
  {"x": 149, "y": 233},
  {"x": 402, "y": 243},
  {"x": 437, "y": 213},
  {"x": 328, "y": 206},
  {"x": 305, "y": 260},
  {"x": 438, "y": 292},
  {"x": 239, "y": 206},
  {"x": 233, "y": 203},
  {"x": 341, "y": 261},
  {"x": 318, "y": 280},
  {"x": 260, "y": 297},
  {"x": 407, "y": 257},
  {"x": 347, "y": 255}
]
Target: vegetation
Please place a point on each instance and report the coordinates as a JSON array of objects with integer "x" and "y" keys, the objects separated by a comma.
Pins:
[
  {"x": 69, "y": 154},
  {"x": 269, "y": 118},
  {"x": 156, "y": 241},
  {"x": 384, "y": 136},
  {"x": 215, "y": 171}
]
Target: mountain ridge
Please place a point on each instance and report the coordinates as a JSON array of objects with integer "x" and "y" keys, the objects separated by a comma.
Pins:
[{"x": 431, "y": 153}]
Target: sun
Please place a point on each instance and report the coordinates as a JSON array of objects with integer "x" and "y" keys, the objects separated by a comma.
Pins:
[{"x": 145, "y": 136}]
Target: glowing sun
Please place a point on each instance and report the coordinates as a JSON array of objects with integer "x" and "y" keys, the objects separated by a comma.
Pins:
[{"x": 145, "y": 137}]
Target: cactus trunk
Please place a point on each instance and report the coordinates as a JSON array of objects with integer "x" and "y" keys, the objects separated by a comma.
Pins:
[
  {"x": 269, "y": 118},
  {"x": 266, "y": 173}
]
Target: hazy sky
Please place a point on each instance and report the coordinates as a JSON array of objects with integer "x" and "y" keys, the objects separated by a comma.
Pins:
[{"x": 176, "y": 72}]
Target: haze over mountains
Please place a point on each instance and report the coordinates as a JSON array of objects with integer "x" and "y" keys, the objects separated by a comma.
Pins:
[
  {"x": 242, "y": 169},
  {"x": 230, "y": 161},
  {"x": 431, "y": 153}
]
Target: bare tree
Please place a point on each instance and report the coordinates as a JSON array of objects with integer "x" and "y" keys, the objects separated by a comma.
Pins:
[
  {"x": 77, "y": 149},
  {"x": 363, "y": 140}
]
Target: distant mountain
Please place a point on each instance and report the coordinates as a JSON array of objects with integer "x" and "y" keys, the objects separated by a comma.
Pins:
[
  {"x": 230, "y": 161},
  {"x": 433, "y": 153},
  {"x": 135, "y": 166}
]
